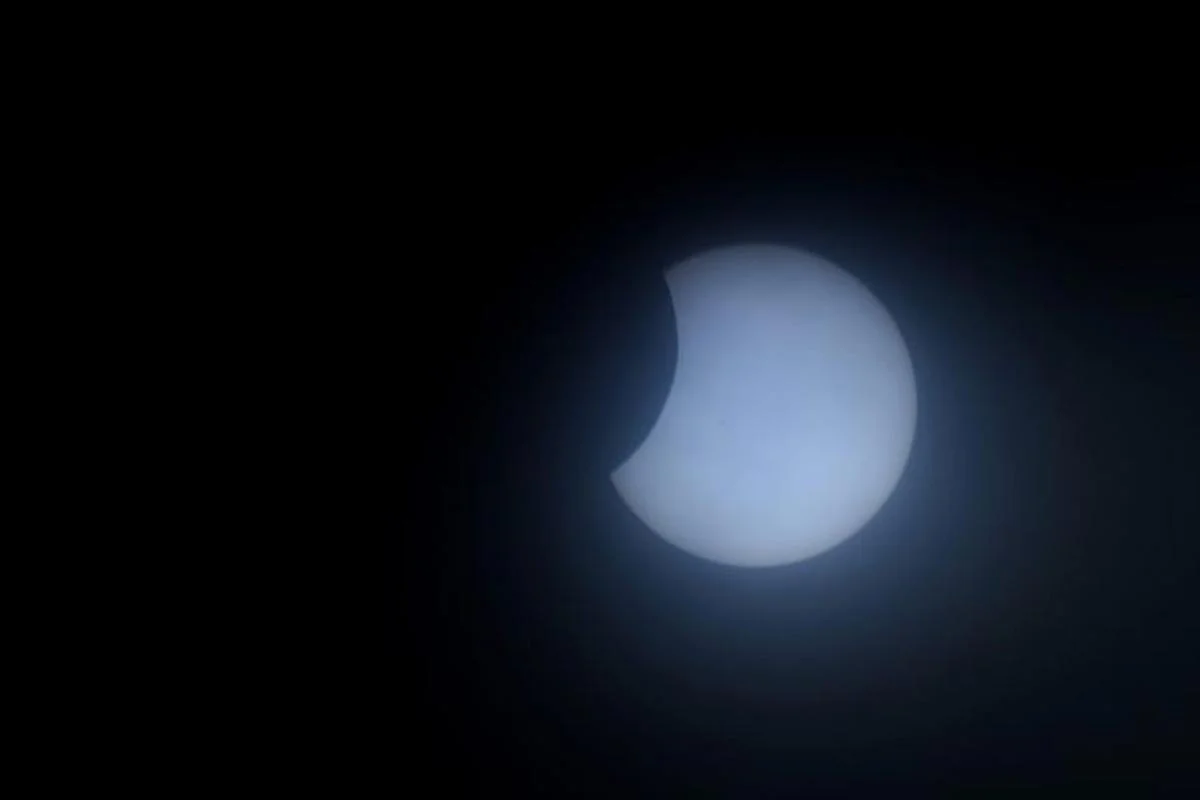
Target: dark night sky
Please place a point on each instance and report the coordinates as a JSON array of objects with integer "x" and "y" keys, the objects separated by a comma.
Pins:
[{"x": 1023, "y": 611}]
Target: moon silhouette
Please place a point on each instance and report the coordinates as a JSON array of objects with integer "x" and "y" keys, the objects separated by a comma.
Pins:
[{"x": 791, "y": 415}]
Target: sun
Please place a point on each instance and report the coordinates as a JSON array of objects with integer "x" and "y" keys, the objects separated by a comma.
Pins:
[{"x": 791, "y": 415}]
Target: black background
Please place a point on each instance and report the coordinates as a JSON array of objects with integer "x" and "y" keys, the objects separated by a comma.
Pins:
[{"x": 1023, "y": 610}]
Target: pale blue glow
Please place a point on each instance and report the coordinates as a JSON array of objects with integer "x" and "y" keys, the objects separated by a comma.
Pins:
[{"x": 791, "y": 415}]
